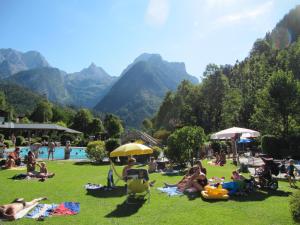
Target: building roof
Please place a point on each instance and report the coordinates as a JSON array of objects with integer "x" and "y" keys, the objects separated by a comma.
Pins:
[{"x": 37, "y": 126}]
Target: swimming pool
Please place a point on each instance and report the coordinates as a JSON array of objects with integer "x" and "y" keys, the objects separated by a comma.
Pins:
[{"x": 59, "y": 152}]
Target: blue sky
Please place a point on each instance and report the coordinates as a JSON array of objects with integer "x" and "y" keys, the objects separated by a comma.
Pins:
[{"x": 112, "y": 33}]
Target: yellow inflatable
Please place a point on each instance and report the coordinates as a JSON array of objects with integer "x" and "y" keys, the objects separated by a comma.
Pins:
[{"x": 211, "y": 192}]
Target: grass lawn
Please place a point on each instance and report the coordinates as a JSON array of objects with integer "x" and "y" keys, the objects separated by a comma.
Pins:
[{"x": 110, "y": 207}]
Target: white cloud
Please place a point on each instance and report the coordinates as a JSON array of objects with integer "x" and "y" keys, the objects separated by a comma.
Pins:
[
  {"x": 246, "y": 15},
  {"x": 219, "y": 3},
  {"x": 157, "y": 12}
]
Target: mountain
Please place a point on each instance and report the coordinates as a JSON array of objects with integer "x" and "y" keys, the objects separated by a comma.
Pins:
[
  {"x": 12, "y": 61},
  {"x": 46, "y": 81},
  {"x": 141, "y": 88},
  {"x": 88, "y": 86}
]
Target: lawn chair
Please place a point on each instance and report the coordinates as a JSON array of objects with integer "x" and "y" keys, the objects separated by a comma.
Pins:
[{"x": 137, "y": 181}]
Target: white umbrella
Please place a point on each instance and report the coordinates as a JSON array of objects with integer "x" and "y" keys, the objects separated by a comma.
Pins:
[{"x": 233, "y": 131}]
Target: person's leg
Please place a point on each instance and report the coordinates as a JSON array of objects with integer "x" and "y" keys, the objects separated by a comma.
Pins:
[
  {"x": 49, "y": 155},
  {"x": 34, "y": 201},
  {"x": 170, "y": 185},
  {"x": 289, "y": 179}
]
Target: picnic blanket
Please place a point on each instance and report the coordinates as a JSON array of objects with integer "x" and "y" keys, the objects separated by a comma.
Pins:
[
  {"x": 67, "y": 208},
  {"x": 42, "y": 210},
  {"x": 171, "y": 191}
]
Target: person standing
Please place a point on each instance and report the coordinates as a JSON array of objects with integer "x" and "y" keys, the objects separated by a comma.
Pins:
[
  {"x": 51, "y": 148},
  {"x": 68, "y": 150}
]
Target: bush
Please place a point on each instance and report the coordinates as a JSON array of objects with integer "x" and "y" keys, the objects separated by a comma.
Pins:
[
  {"x": 295, "y": 206},
  {"x": 20, "y": 140},
  {"x": 96, "y": 150},
  {"x": 8, "y": 143},
  {"x": 111, "y": 144},
  {"x": 294, "y": 146}
]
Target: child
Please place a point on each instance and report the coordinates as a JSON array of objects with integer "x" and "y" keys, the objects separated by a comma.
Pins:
[
  {"x": 290, "y": 173},
  {"x": 44, "y": 171},
  {"x": 10, "y": 163}
]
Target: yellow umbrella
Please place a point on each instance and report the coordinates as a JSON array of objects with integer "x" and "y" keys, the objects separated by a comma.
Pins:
[{"x": 131, "y": 149}]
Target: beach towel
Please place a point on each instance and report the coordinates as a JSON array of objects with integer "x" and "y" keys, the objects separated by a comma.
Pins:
[
  {"x": 67, "y": 208},
  {"x": 41, "y": 210},
  {"x": 171, "y": 191},
  {"x": 90, "y": 186}
]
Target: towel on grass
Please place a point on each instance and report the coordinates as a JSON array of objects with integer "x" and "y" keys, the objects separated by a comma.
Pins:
[
  {"x": 171, "y": 191},
  {"x": 90, "y": 186},
  {"x": 67, "y": 208},
  {"x": 42, "y": 210}
]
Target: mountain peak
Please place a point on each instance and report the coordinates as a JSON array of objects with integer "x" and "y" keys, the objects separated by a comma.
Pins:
[
  {"x": 148, "y": 57},
  {"x": 92, "y": 66}
]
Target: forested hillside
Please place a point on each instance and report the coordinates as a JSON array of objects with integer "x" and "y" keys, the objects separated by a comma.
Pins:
[{"x": 260, "y": 92}]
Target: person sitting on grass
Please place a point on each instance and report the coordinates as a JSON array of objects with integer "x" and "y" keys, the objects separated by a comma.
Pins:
[
  {"x": 16, "y": 156},
  {"x": 44, "y": 171},
  {"x": 131, "y": 163},
  {"x": 290, "y": 173},
  {"x": 197, "y": 166},
  {"x": 10, "y": 163},
  {"x": 31, "y": 163},
  {"x": 9, "y": 211}
]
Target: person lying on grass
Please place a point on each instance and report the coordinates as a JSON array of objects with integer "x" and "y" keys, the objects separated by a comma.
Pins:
[
  {"x": 196, "y": 181},
  {"x": 9, "y": 211}
]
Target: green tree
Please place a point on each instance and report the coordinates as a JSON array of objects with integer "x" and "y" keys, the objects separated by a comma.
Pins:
[
  {"x": 111, "y": 144},
  {"x": 42, "y": 113},
  {"x": 278, "y": 103},
  {"x": 81, "y": 120},
  {"x": 184, "y": 143},
  {"x": 113, "y": 126},
  {"x": 96, "y": 126}
]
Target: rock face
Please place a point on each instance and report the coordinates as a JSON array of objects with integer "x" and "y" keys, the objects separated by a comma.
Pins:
[
  {"x": 141, "y": 88},
  {"x": 89, "y": 86},
  {"x": 12, "y": 61}
]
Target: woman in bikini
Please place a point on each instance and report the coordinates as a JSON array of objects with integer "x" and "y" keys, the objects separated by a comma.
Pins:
[{"x": 10, "y": 211}]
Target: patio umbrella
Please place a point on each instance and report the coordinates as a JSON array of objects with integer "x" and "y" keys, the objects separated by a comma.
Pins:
[
  {"x": 131, "y": 149},
  {"x": 231, "y": 133}
]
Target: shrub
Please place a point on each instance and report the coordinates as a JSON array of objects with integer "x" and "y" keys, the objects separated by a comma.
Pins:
[
  {"x": 294, "y": 146},
  {"x": 8, "y": 143},
  {"x": 96, "y": 150},
  {"x": 295, "y": 206},
  {"x": 111, "y": 144},
  {"x": 20, "y": 140}
]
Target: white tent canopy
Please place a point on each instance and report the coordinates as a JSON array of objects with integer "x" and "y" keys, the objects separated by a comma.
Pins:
[{"x": 231, "y": 132}]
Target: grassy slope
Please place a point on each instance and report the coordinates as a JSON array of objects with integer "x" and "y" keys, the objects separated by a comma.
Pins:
[{"x": 109, "y": 207}]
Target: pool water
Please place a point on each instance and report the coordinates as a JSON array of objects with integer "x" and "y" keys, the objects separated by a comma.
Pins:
[{"x": 59, "y": 152}]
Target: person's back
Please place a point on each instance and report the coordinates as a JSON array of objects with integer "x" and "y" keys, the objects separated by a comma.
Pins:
[{"x": 152, "y": 166}]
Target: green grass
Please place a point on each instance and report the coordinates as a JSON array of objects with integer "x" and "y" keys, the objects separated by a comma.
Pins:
[{"x": 110, "y": 208}]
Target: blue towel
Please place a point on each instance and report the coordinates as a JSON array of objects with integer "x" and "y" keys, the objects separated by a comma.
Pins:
[
  {"x": 171, "y": 191},
  {"x": 73, "y": 206}
]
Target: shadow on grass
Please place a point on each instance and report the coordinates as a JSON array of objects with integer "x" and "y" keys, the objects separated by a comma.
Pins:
[
  {"x": 125, "y": 209},
  {"x": 84, "y": 163},
  {"x": 254, "y": 196},
  {"x": 118, "y": 191}
]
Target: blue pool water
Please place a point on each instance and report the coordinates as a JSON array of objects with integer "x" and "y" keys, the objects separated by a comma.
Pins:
[{"x": 59, "y": 152}]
